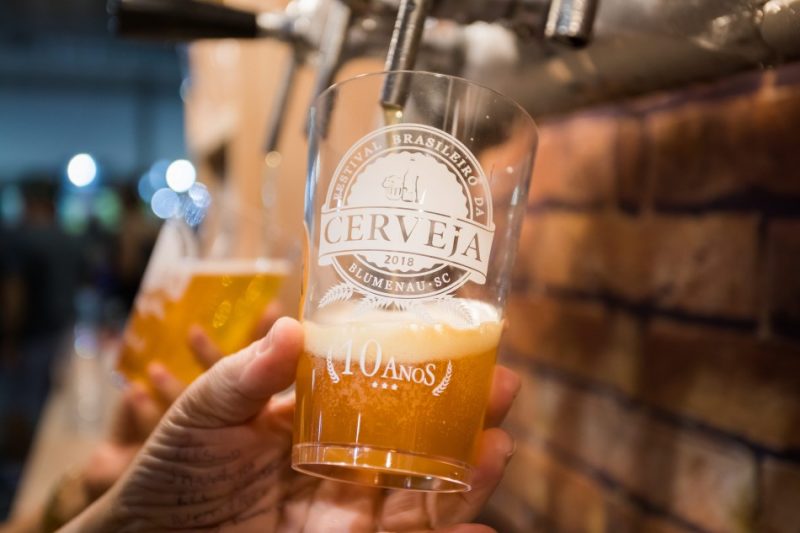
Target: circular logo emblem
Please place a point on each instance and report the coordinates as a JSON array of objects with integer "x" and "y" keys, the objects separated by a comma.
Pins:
[{"x": 408, "y": 215}]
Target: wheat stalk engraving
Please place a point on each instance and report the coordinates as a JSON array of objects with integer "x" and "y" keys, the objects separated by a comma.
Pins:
[
  {"x": 461, "y": 309},
  {"x": 371, "y": 301},
  {"x": 338, "y": 293},
  {"x": 422, "y": 313},
  {"x": 403, "y": 305},
  {"x": 331, "y": 371},
  {"x": 442, "y": 386}
]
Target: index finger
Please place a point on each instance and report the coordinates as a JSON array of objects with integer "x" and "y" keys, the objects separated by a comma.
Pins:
[
  {"x": 270, "y": 315},
  {"x": 237, "y": 389},
  {"x": 203, "y": 348}
]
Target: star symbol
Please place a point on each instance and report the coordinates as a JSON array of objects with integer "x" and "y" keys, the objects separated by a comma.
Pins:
[
  {"x": 394, "y": 386},
  {"x": 374, "y": 384},
  {"x": 384, "y": 385}
]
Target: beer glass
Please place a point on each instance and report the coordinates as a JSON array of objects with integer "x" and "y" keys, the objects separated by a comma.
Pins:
[
  {"x": 202, "y": 276},
  {"x": 412, "y": 217}
]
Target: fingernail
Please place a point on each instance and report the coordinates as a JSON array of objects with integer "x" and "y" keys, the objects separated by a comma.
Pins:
[
  {"x": 195, "y": 332},
  {"x": 512, "y": 450},
  {"x": 138, "y": 392},
  {"x": 508, "y": 446}
]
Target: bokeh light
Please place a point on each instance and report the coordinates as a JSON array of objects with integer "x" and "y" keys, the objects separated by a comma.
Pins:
[
  {"x": 200, "y": 196},
  {"x": 74, "y": 213},
  {"x": 165, "y": 203},
  {"x": 158, "y": 174},
  {"x": 107, "y": 208},
  {"x": 199, "y": 200},
  {"x": 81, "y": 170},
  {"x": 181, "y": 175},
  {"x": 145, "y": 188}
]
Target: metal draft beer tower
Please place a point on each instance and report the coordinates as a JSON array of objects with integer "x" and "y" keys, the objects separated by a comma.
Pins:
[{"x": 328, "y": 32}]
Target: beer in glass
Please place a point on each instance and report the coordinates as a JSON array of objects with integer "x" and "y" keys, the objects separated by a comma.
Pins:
[
  {"x": 412, "y": 226},
  {"x": 220, "y": 276},
  {"x": 226, "y": 298}
]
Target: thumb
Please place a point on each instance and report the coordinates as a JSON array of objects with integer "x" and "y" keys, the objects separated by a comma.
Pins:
[{"x": 237, "y": 387}]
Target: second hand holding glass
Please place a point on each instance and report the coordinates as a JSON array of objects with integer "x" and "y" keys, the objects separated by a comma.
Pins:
[{"x": 206, "y": 278}]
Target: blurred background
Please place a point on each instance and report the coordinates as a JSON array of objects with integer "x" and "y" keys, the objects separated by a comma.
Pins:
[
  {"x": 655, "y": 307},
  {"x": 88, "y": 126}
]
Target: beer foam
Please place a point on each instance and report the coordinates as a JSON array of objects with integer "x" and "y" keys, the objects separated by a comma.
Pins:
[
  {"x": 438, "y": 330},
  {"x": 172, "y": 279},
  {"x": 233, "y": 267}
]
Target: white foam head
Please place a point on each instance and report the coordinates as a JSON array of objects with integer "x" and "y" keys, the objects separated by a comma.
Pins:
[
  {"x": 170, "y": 274},
  {"x": 436, "y": 330},
  {"x": 236, "y": 266}
]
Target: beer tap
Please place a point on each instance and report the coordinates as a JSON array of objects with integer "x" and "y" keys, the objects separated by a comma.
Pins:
[
  {"x": 402, "y": 55},
  {"x": 281, "y": 102},
  {"x": 309, "y": 27},
  {"x": 571, "y": 21},
  {"x": 272, "y": 157},
  {"x": 316, "y": 30},
  {"x": 567, "y": 22},
  {"x": 331, "y": 48},
  {"x": 186, "y": 20},
  {"x": 301, "y": 24},
  {"x": 329, "y": 32}
]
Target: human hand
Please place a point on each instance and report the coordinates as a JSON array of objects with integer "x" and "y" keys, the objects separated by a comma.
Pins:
[
  {"x": 133, "y": 419},
  {"x": 220, "y": 459},
  {"x": 138, "y": 413},
  {"x": 207, "y": 353}
]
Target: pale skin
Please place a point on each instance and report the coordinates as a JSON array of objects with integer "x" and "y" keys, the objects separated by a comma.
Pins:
[{"x": 219, "y": 460}]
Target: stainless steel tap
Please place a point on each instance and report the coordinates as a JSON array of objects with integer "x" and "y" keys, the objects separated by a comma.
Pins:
[
  {"x": 571, "y": 21},
  {"x": 572, "y": 52},
  {"x": 403, "y": 48}
]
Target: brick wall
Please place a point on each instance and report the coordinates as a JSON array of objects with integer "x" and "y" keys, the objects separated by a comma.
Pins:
[{"x": 655, "y": 318}]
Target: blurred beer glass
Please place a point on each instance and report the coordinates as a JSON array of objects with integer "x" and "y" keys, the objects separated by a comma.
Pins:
[
  {"x": 219, "y": 275},
  {"x": 412, "y": 216}
]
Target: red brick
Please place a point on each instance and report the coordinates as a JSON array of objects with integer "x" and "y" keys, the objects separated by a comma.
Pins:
[
  {"x": 570, "y": 501},
  {"x": 575, "y": 161},
  {"x": 708, "y": 482},
  {"x": 521, "y": 419},
  {"x": 567, "y": 500},
  {"x": 563, "y": 250},
  {"x": 520, "y": 271},
  {"x": 507, "y": 513},
  {"x": 780, "y": 496},
  {"x": 594, "y": 253},
  {"x": 773, "y": 150},
  {"x": 705, "y": 264},
  {"x": 788, "y": 75},
  {"x": 784, "y": 272},
  {"x": 692, "y": 152},
  {"x": 729, "y": 380},
  {"x": 738, "y": 85},
  {"x": 706, "y": 150},
  {"x": 583, "y": 338},
  {"x": 698, "y": 152},
  {"x": 634, "y": 180}
]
